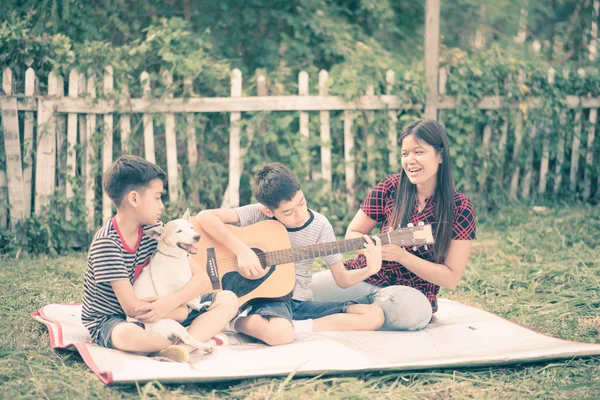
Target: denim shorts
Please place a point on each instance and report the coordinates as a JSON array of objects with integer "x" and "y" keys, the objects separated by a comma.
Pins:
[
  {"x": 105, "y": 329},
  {"x": 298, "y": 309}
]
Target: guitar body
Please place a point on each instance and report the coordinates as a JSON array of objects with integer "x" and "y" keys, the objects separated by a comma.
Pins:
[{"x": 221, "y": 264}]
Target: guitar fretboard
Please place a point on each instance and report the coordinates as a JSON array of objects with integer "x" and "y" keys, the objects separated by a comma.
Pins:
[{"x": 318, "y": 250}]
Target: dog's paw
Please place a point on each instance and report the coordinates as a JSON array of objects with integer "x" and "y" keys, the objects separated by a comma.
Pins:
[
  {"x": 198, "y": 355},
  {"x": 207, "y": 348}
]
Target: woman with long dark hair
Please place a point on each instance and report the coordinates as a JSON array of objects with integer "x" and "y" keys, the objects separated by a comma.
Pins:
[{"x": 410, "y": 278}]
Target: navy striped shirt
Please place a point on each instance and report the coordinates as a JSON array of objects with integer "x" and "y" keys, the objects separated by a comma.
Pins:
[{"x": 111, "y": 259}]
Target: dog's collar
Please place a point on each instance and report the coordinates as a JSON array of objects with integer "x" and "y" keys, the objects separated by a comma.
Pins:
[{"x": 165, "y": 254}]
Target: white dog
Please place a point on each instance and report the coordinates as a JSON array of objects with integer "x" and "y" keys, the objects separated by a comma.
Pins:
[{"x": 169, "y": 271}]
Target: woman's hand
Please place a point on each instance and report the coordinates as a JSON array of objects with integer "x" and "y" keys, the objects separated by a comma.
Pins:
[
  {"x": 157, "y": 308},
  {"x": 373, "y": 254},
  {"x": 392, "y": 252}
]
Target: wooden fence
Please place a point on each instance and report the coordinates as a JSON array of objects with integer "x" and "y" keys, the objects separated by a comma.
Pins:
[{"x": 35, "y": 160}]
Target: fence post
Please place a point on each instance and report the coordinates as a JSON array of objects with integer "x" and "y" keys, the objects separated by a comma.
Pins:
[
  {"x": 529, "y": 163},
  {"x": 125, "y": 118},
  {"x": 45, "y": 169},
  {"x": 487, "y": 138},
  {"x": 28, "y": 145},
  {"x": 560, "y": 148},
  {"x": 3, "y": 177},
  {"x": 71, "y": 140},
  {"x": 108, "y": 84},
  {"x": 305, "y": 151},
  {"x": 432, "y": 42},
  {"x": 147, "y": 120},
  {"x": 192, "y": 145},
  {"x": 171, "y": 143},
  {"x": 501, "y": 147},
  {"x": 514, "y": 184},
  {"x": 325, "y": 132},
  {"x": 90, "y": 153},
  {"x": 443, "y": 80},
  {"x": 392, "y": 122},
  {"x": 61, "y": 138},
  {"x": 576, "y": 145},
  {"x": 349, "y": 167},
  {"x": 232, "y": 193},
  {"x": 546, "y": 145},
  {"x": 589, "y": 158},
  {"x": 368, "y": 127},
  {"x": 12, "y": 150}
]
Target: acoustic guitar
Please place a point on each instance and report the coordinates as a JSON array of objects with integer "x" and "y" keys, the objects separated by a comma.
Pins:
[{"x": 271, "y": 243}]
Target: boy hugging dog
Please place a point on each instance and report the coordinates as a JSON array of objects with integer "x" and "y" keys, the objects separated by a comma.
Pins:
[{"x": 119, "y": 252}]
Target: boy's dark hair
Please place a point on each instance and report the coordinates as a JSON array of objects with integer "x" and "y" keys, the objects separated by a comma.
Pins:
[
  {"x": 275, "y": 183},
  {"x": 130, "y": 173}
]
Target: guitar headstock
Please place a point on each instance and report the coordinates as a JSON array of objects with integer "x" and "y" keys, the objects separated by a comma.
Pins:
[{"x": 411, "y": 235}]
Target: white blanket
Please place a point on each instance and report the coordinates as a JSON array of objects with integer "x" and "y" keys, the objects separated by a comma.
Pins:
[{"x": 459, "y": 336}]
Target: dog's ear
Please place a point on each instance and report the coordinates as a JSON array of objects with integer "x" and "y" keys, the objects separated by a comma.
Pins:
[
  {"x": 155, "y": 233},
  {"x": 186, "y": 216}
]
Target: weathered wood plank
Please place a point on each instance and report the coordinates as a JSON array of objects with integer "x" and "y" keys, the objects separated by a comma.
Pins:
[
  {"x": 28, "y": 145},
  {"x": 432, "y": 44},
  {"x": 370, "y": 118},
  {"x": 485, "y": 164},
  {"x": 61, "y": 138},
  {"x": 125, "y": 121},
  {"x": 392, "y": 122},
  {"x": 12, "y": 150},
  {"x": 560, "y": 147},
  {"x": 325, "y": 132},
  {"x": 171, "y": 143},
  {"x": 304, "y": 133},
  {"x": 107, "y": 142},
  {"x": 90, "y": 156},
  {"x": 349, "y": 162},
  {"x": 589, "y": 158},
  {"x": 232, "y": 193},
  {"x": 277, "y": 103},
  {"x": 514, "y": 183},
  {"x": 71, "y": 140},
  {"x": 149, "y": 153},
  {"x": 45, "y": 169},
  {"x": 545, "y": 145}
]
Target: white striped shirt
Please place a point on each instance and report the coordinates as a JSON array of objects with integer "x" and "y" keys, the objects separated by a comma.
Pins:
[
  {"x": 111, "y": 259},
  {"x": 317, "y": 229}
]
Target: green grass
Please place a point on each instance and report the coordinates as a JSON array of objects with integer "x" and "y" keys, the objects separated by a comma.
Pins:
[{"x": 539, "y": 270}]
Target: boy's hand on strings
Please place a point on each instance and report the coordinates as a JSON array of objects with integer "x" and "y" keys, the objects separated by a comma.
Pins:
[
  {"x": 372, "y": 253},
  {"x": 249, "y": 265}
]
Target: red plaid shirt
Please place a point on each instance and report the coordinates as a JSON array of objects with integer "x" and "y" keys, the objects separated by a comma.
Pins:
[{"x": 379, "y": 206}]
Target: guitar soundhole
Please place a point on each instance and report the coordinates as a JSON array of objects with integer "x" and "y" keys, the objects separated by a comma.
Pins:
[{"x": 241, "y": 286}]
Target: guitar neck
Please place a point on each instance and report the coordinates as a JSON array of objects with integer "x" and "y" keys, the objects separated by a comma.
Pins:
[{"x": 297, "y": 254}]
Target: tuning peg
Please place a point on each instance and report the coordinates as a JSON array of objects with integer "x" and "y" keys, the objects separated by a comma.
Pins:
[
  {"x": 414, "y": 248},
  {"x": 421, "y": 223},
  {"x": 426, "y": 247},
  {"x": 410, "y": 225}
]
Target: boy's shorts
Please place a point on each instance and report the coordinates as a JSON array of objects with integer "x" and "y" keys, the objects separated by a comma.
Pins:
[
  {"x": 299, "y": 310},
  {"x": 105, "y": 330}
]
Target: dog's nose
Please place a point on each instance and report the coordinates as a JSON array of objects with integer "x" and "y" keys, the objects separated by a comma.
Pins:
[{"x": 197, "y": 238}]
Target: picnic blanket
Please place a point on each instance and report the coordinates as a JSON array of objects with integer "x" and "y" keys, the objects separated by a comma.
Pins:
[{"x": 459, "y": 336}]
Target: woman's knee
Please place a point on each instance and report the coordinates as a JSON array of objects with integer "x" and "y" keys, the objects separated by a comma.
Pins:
[{"x": 405, "y": 308}]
